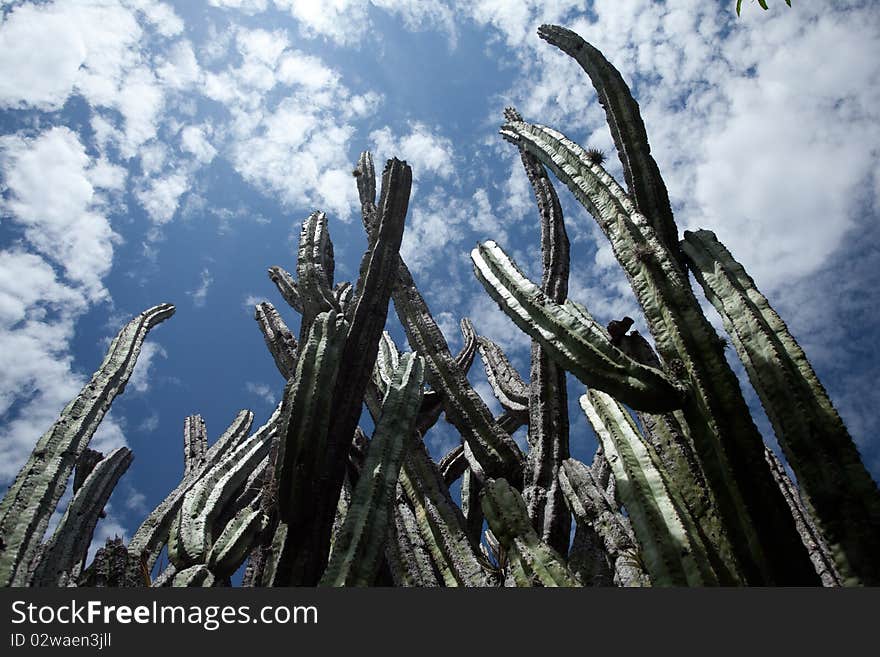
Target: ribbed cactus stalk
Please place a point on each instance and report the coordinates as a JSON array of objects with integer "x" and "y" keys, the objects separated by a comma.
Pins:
[
  {"x": 838, "y": 488},
  {"x": 193, "y": 531},
  {"x": 760, "y": 527},
  {"x": 533, "y": 562},
  {"x": 33, "y": 496},
  {"x": 506, "y": 383},
  {"x": 441, "y": 523},
  {"x": 406, "y": 551},
  {"x": 279, "y": 340},
  {"x": 573, "y": 339},
  {"x": 61, "y": 557},
  {"x": 149, "y": 539},
  {"x": 672, "y": 550},
  {"x": 548, "y": 396},
  {"x": 359, "y": 546}
]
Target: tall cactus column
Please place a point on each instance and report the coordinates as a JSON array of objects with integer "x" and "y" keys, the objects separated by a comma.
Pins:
[
  {"x": 729, "y": 445},
  {"x": 33, "y": 496},
  {"x": 548, "y": 396}
]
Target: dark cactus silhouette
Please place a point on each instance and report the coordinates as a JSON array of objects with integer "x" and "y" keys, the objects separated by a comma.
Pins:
[{"x": 682, "y": 490}]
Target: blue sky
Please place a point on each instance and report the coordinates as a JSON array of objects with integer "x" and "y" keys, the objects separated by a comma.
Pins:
[{"x": 157, "y": 152}]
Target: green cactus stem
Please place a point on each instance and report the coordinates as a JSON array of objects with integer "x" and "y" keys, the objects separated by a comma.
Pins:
[
  {"x": 506, "y": 383},
  {"x": 231, "y": 547},
  {"x": 671, "y": 549},
  {"x": 195, "y": 445},
  {"x": 192, "y": 533},
  {"x": 368, "y": 314},
  {"x": 640, "y": 170},
  {"x": 314, "y": 270},
  {"x": 835, "y": 483},
  {"x": 64, "y": 553},
  {"x": 534, "y": 562},
  {"x": 152, "y": 535},
  {"x": 547, "y": 393},
  {"x": 28, "y": 504},
  {"x": 359, "y": 546},
  {"x": 440, "y": 521},
  {"x": 408, "y": 556},
  {"x": 287, "y": 287},
  {"x": 112, "y": 567},
  {"x": 760, "y": 527},
  {"x": 606, "y": 542},
  {"x": 581, "y": 347},
  {"x": 84, "y": 466},
  {"x": 198, "y": 575},
  {"x": 815, "y": 543},
  {"x": 279, "y": 340}
]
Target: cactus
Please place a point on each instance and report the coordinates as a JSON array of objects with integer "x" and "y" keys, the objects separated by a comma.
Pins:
[
  {"x": 758, "y": 521},
  {"x": 682, "y": 491},
  {"x": 63, "y": 554},
  {"x": 836, "y": 485},
  {"x": 356, "y": 556},
  {"x": 33, "y": 496},
  {"x": 533, "y": 561}
]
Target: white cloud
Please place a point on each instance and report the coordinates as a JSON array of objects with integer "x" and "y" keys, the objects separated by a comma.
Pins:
[
  {"x": 150, "y": 423},
  {"x": 297, "y": 148},
  {"x": 200, "y": 294},
  {"x": 347, "y": 21},
  {"x": 161, "y": 197},
  {"x": 262, "y": 391},
  {"x": 194, "y": 139},
  {"x": 423, "y": 149},
  {"x": 52, "y": 197},
  {"x": 246, "y": 6}
]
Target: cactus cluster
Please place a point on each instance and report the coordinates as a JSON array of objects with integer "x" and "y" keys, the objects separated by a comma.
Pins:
[{"x": 682, "y": 490}]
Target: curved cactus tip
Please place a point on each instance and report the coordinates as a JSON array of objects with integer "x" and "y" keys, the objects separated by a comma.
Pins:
[{"x": 512, "y": 114}]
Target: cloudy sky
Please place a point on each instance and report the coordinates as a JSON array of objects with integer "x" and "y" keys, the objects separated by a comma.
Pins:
[{"x": 157, "y": 152}]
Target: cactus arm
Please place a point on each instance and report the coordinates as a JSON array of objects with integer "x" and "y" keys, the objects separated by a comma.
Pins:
[
  {"x": 65, "y": 551},
  {"x": 149, "y": 538},
  {"x": 494, "y": 448},
  {"x": 84, "y": 466},
  {"x": 113, "y": 567},
  {"x": 640, "y": 170},
  {"x": 671, "y": 549},
  {"x": 580, "y": 347},
  {"x": 359, "y": 547},
  {"x": 365, "y": 172},
  {"x": 195, "y": 445},
  {"x": 198, "y": 575},
  {"x": 287, "y": 287},
  {"x": 597, "y": 513},
  {"x": 314, "y": 270},
  {"x": 407, "y": 554},
  {"x": 232, "y": 545},
  {"x": 826, "y": 461},
  {"x": 470, "y": 505},
  {"x": 279, "y": 340},
  {"x": 730, "y": 448},
  {"x": 815, "y": 543},
  {"x": 506, "y": 383},
  {"x": 369, "y": 314},
  {"x": 191, "y": 534},
  {"x": 440, "y": 522},
  {"x": 547, "y": 393},
  {"x": 509, "y": 521},
  {"x": 28, "y": 504}
]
